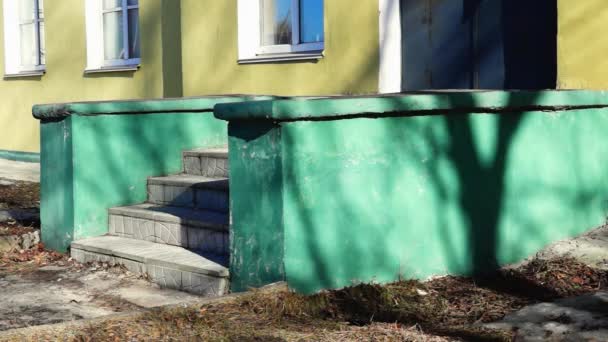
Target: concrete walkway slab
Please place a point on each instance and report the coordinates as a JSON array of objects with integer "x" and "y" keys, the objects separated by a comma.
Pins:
[
  {"x": 54, "y": 294},
  {"x": 20, "y": 171},
  {"x": 583, "y": 318},
  {"x": 590, "y": 249}
]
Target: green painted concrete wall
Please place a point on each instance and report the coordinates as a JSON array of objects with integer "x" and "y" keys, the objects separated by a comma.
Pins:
[
  {"x": 360, "y": 196},
  {"x": 350, "y": 64},
  {"x": 98, "y": 155},
  {"x": 111, "y": 158},
  {"x": 64, "y": 81}
]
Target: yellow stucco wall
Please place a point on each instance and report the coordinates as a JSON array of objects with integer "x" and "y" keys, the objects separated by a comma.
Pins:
[
  {"x": 65, "y": 81},
  {"x": 350, "y": 64},
  {"x": 206, "y": 52},
  {"x": 582, "y": 44}
]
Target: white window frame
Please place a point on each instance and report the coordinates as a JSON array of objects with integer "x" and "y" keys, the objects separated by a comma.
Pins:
[
  {"x": 250, "y": 46},
  {"x": 96, "y": 61},
  {"x": 390, "y": 69},
  {"x": 12, "y": 40}
]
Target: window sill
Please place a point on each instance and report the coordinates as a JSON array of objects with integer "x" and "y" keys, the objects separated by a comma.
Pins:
[
  {"x": 125, "y": 68},
  {"x": 283, "y": 57},
  {"x": 33, "y": 73}
]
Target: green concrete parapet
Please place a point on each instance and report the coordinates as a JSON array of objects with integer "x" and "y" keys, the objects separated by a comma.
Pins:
[
  {"x": 27, "y": 157},
  {"x": 327, "y": 192},
  {"x": 98, "y": 155}
]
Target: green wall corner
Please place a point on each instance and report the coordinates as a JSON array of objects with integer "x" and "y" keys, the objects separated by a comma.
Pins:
[
  {"x": 257, "y": 242},
  {"x": 57, "y": 184}
]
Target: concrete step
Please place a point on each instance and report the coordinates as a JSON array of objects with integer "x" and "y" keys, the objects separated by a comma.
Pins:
[
  {"x": 208, "y": 162},
  {"x": 200, "y": 230},
  {"x": 169, "y": 266},
  {"x": 190, "y": 191}
]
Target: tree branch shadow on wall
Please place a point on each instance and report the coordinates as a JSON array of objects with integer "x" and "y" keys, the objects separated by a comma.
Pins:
[
  {"x": 480, "y": 187},
  {"x": 477, "y": 192}
]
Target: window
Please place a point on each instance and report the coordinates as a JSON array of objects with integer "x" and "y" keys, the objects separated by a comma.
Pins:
[
  {"x": 280, "y": 29},
  {"x": 24, "y": 37},
  {"x": 112, "y": 34}
]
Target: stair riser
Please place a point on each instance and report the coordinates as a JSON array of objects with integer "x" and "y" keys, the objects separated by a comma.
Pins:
[
  {"x": 175, "y": 234},
  {"x": 206, "y": 166},
  {"x": 198, "y": 198},
  {"x": 166, "y": 277}
]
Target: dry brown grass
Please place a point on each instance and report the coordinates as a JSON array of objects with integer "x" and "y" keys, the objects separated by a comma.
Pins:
[
  {"x": 444, "y": 309},
  {"x": 366, "y": 312},
  {"x": 20, "y": 195}
]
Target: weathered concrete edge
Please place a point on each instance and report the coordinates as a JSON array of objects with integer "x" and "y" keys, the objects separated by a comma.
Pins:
[
  {"x": 174, "y": 105},
  {"x": 153, "y": 261},
  {"x": 24, "y": 333},
  {"x": 28, "y": 157},
  {"x": 335, "y": 108}
]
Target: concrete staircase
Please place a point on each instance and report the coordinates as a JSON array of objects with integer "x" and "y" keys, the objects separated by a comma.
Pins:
[{"x": 180, "y": 236}]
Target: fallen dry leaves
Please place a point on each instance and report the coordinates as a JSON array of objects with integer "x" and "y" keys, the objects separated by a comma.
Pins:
[
  {"x": 14, "y": 228},
  {"x": 28, "y": 259}
]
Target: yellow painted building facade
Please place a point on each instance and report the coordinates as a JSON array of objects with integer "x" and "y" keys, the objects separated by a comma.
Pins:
[
  {"x": 192, "y": 48},
  {"x": 582, "y": 44},
  {"x": 188, "y": 48},
  {"x": 65, "y": 79},
  {"x": 210, "y": 53}
]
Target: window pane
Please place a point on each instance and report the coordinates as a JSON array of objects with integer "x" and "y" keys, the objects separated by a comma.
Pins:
[
  {"x": 134, "y": 33},
  {"x": 112, "y": 36},
  {"x": 276, "y": 22},
  {"x": 27, "y": 9},
  {"x": 311, "y": 21},
  {"x": 41, "y": 9},
  {"x": 42, "y": 45},
  {"x": 28, "y": 44},
  {"x": 108, "y": 4}
]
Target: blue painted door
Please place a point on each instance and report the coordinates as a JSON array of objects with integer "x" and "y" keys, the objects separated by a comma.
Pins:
[
  {"x": 437, "y": 45},
  {"x": 479, "y": 44}
]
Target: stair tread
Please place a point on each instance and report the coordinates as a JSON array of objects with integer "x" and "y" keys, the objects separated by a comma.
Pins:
[
  {"x": 217, "y": 152},
  {"x": 187, "y": 180},
  {"x": 151, "y": 253},
  {"x": 171, "y": 214}
]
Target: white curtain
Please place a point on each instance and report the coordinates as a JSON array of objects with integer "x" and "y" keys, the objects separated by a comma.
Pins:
[
  {"x": 112, "y": 35},
  {"x": 27, "y": 33}
]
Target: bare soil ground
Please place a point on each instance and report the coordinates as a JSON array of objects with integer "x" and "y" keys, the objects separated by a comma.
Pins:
[
  {"x": 19, "y": 201},
  {"x": 19, "y": 195},
  {"x": 42, "y": 287},
  {"x": 443, "y": 309}
]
